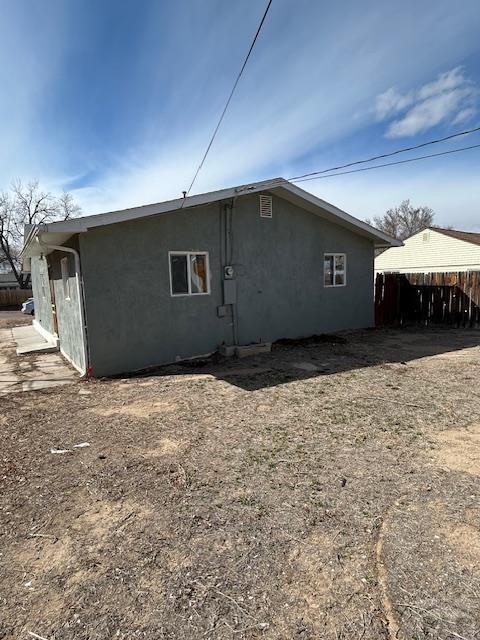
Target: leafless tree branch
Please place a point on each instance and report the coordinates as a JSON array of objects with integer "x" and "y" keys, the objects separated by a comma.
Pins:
[
  {"x": 28, "y": 204},
  {"x": 403, "y": 221}
]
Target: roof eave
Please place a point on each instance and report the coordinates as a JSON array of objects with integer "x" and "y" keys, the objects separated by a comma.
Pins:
[{"x": 80, "y": 225}]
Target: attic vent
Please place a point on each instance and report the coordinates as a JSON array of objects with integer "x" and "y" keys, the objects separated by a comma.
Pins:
[
  {"x": 426, "y": 236},
  {"x": 266, "y": 206}
]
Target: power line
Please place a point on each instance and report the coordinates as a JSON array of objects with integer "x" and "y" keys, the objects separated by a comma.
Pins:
[
  {"x": 230, "y": 97},
  {"x": 386, "y": 164},
  {"x": 386, "y": 155}
]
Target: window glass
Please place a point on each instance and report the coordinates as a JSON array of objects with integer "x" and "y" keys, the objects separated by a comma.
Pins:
[
  {"x": 179, "y": 274},
  {"x": 328, "y": 270},
  {"x": 198, "y": 273},
  {"x": 339, "y": 262},
  {"x": 334, "y": 269}
]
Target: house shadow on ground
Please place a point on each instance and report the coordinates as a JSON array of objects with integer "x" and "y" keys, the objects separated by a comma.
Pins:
[{"x": 292, "y": 360}]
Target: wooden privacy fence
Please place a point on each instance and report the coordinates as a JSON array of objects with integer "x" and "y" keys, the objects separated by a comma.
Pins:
[
  {"x": 428, "y": 298},
  {"x": 14, "y": 297}
]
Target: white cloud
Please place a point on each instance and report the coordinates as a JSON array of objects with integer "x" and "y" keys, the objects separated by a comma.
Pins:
[
  {"x": 445, "y": 82},
  {"x": 450, "y": 98},
  {"x": 429, "y": 113},
  {"x": 392, "y": 101},
  {"x": 464, "y": 115}
]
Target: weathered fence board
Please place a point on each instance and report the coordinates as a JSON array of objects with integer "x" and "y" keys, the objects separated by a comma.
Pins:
[
  {"x": 14, "y": 297},
  {"x": 428, "y": 298}
]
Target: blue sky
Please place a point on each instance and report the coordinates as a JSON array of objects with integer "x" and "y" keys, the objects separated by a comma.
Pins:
[{"x": 116, "y": 101}]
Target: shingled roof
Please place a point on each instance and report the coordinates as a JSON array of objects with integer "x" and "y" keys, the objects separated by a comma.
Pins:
[{"x": 467, "y": 236}]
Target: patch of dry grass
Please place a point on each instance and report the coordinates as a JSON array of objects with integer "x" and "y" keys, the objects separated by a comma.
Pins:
[{"x": 215, "y": 503}]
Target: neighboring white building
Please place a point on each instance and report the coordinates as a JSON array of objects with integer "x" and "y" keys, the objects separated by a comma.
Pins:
[{"x": 432, "y": 250}]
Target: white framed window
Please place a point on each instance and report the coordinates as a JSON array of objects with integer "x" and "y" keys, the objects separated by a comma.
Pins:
[
  {"x": 65, "y": 278},
  {"x": 334, "y": 269},
  {"x": 189, "y": 273}
]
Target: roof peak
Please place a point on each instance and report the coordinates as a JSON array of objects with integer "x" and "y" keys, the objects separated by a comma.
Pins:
[
  {"x": 60, "y": 231},
  {"x": 467, "y": 236}
]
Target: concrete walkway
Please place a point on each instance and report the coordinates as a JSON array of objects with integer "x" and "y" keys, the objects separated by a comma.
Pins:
[
  {"x": 30, "y": 341},
  {"x": 37, "y": 370}
]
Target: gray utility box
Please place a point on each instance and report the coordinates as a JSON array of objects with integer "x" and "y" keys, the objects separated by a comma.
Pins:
[{"x": 229, "y": 292}]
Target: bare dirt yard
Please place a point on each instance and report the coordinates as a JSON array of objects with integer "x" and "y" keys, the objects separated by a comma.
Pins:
[
  {"x": 329, "y": 490},
  {"x": 9, "y": 319}
]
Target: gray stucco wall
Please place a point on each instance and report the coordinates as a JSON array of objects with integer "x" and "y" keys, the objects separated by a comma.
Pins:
[
  {"x": 134, "y": 322},
  {"x": 280, "y": 280},
  {"x": 41, "y": 293},
  {"x": 68, "y": 309}
]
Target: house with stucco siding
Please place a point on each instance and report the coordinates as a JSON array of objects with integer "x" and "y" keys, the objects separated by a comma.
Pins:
[{"x": 126, "y": 290}]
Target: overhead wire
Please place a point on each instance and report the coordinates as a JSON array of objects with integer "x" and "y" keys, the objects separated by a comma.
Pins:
[
  {"x": 386, "y": 155},
  {"x": 252, "y": 45},
  {"x": 386, "y": 164}
]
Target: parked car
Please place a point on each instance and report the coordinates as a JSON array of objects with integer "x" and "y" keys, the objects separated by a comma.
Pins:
[{"x": 28, "y": 307}]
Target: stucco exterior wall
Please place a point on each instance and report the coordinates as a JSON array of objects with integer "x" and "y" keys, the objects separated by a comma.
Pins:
[
  {"x": 134, "y": 322},
  {"x": 68, "y": 310},
  {"x": 279, "y": 266},
  {"x": 41, "y": 293},
  {"x": 430, "y": 251}
]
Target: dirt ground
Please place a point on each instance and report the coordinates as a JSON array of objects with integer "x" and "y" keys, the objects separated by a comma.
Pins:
[
  {"x": 329, "y": 490},
  {"x": 9, "y": 319}
]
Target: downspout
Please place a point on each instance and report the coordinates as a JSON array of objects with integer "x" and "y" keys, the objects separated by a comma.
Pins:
[{"x": 78, "y": 278}]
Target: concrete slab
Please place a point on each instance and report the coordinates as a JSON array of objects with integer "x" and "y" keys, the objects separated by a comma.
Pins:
[
  {"x": 40, "y": 370},
  {"x": 30, "y": 341}
]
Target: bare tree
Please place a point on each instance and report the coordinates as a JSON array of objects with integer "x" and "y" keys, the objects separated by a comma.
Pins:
[
  {"x": 27, "y": 204},
  {"x": 67, "y": 208},
  {"x": 403, "y": 221}
]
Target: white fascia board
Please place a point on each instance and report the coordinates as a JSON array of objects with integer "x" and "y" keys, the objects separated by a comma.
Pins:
[
  {"x": 67, "y": 228},
  {"x": 80, "y": 225}
]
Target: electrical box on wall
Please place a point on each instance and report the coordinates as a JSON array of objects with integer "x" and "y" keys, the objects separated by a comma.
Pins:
[
  {"x": 228, "y": 272},
  {"x": 229, "y": 292}
]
